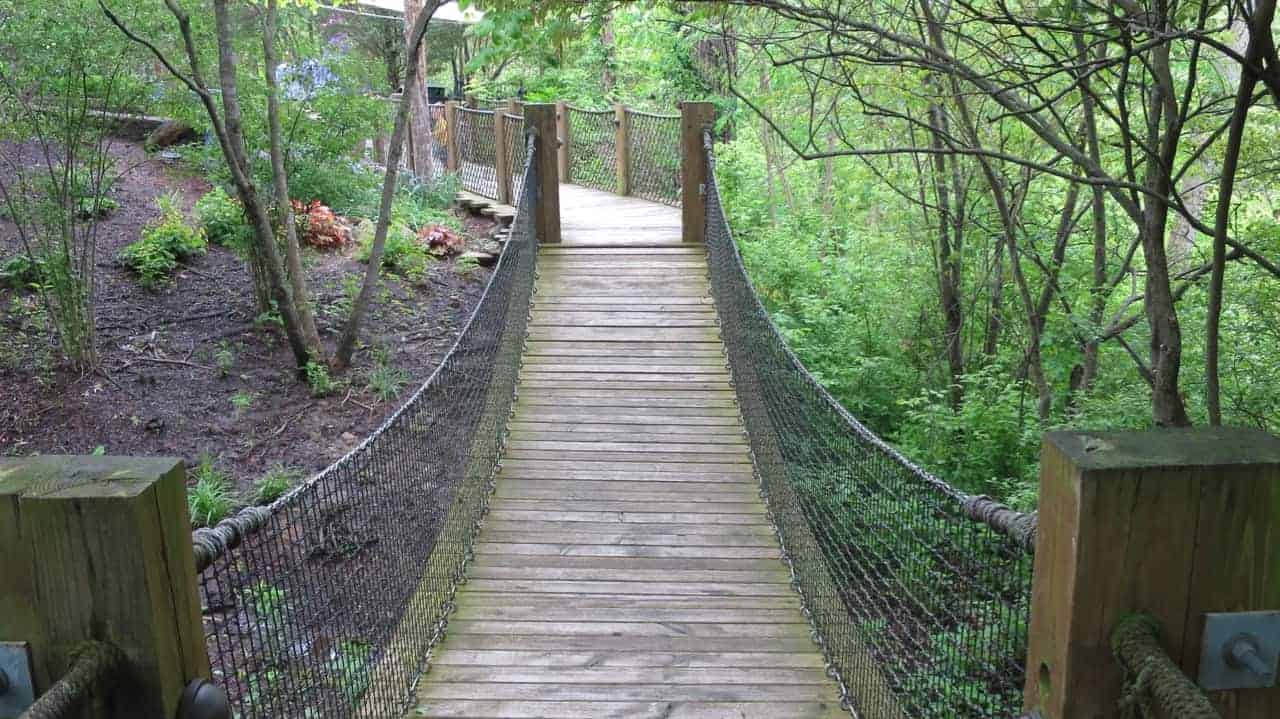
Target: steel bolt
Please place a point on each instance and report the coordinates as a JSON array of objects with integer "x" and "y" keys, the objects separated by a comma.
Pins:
[{"x": 1242, "y": 652}]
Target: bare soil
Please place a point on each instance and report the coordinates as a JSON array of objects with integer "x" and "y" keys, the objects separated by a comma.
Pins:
[{"x": 159, "y": 389}]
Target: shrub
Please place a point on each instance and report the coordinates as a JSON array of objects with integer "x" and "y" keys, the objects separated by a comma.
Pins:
[
  {"x": 211, "y": 498},
  {"x": 440, "y": 240},
  {"x": 436, "y": 192},
  {"x": 418, "y": 215},
  {"x": 402, "y": 251},
  {"x": 222, "y": 218},
  {"x": 386, "y": 380},
  {"x": 164, "y": 243}
]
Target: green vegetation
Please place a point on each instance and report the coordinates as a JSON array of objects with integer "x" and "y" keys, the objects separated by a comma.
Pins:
[
  {"x": 384, "y": 379},
  {"x": 165, "y": 243},
  {"x": 274, "y": 484},
  {"x": 212, "y": 497},
  {"x": 318, "y": 378}
]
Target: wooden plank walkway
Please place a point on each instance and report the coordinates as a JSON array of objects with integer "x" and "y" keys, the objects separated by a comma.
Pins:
[
  {"x": 626, "y": 568},
  {"x": 593, "y": 217}
]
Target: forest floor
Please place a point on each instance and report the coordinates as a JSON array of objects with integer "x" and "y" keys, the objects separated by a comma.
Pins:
[{"x": 190, "y": 371}]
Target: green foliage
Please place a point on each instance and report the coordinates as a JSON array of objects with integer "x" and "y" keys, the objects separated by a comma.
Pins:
[
  {"x": 164, "y": 243},
  {"x": 212, "y": 497},
  {"x": 266, "y": 599},
  {"x": 274, "y": 484},
  {"x": 465, "y": 266},
  {"x": 224, "y": 358},
  {"x": 384, "y": 379},
  {"x": 21, "y": 271},
  {"x": 402, "y": 252},
  {"x": 317, "y": 374},
  {"x": 242, "y": 400},
  {"x": 223, "y": 220}
]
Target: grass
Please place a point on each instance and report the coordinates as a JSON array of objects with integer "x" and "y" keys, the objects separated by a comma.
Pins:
[
  {"x": 274, "y": 484},
  {"x": 212, "y": 497},
  {"x": 386, "y": 381}
]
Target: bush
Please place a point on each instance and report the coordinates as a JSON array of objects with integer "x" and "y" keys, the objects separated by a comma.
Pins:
[
  {"x": 322, "y": 385},
  {"x": 223, "y": 220},
  {"x": 164, "y": 243},
  {"x": 402, "y": 251},
  {"x": 437, "y": 193},
  {"x": 21, "y": 271},
  {"x": 274, "y": 484}
]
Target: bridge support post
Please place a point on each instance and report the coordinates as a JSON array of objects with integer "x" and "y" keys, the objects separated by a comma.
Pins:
[
  {"x": 695, "y": 118},
  {"x": 540, "y": 119},
  {"x": 622, "y": 148},
  {"x": 563, "y": 130},
  {"x": 451, "y": 135},
  {"x": 1174, "y": 524},
  {"x": 99, "y": 548},
  {"x": 501, "y": 166}
]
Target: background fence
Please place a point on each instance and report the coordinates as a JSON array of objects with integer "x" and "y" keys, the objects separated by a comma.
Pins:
[
  {"x": 477, "y": 154},
  {"x": 593, "y": 154},
  {"x": 653, "y": 156}
]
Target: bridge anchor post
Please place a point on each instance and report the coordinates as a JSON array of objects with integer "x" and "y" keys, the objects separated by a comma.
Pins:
[
  {"x": 695, "y": 118},
  {"x": 1175, "y": 524},
  {"x": 98, "y": 549},
  {"x": 540, "y": 119}
]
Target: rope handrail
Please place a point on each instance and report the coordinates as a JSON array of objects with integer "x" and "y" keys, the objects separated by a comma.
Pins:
[
  {"x": 654, "y": 115},
  {"x": 327, "y": 601},
  {"x": 1152, "y": 676},
  {"x": 918, "y": 592},
  {"x": 94, "y": 666},
  {"x": 590, "y": 110},
  {"x": 475, "y": 110}
]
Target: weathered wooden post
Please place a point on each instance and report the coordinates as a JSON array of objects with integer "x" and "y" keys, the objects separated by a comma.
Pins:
[
  {"x": 540, "y": 119},
  {"x": 1174, "y": 524},
  {"x": 451, "y": 135},
  {"x": 695, "y": 118},
  {"x": 501, "y": 167},
  {"x": 99, "y": 549},
  {"x": 622, "y": 147},
  {"x": 563, "y": 130}
]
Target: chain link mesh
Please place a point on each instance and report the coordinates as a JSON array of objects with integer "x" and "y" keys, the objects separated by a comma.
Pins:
[
  {"x": 653, "y": 156},
  {"x": 516, "y": 153},
  {"x": 476, "y": 152},
  {"x": 330, "y": 608},
  {"x": 921, "y": 611},
  {"x": 593, "y": 154}
]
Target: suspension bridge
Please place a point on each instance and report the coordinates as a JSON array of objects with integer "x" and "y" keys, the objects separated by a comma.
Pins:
[{"x": 639, "y": 503}]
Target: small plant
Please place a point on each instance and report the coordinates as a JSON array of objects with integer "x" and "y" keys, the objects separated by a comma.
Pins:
[
  {"x": 224, "y": 359},
  {"x": 21, "y": 271},
  {"x": 266, "y": 598},
  {"x": 273, "y": 485},
  {"x": 318, "y": 226},
  {"x": 322, "y": 385},
  {"x": 386, "y": 380},
  {"x": 223, "y": 220},
  {"x": 242, "y": 400},
  {"x": 466, "y": 265},
  {"x": 402, "y": 252},
  {"x": 164, "y": 243},
  {"x": 211, "y": 498},
  {"x": 440, "y": 240},
  {"x": 95, "y": 206}
]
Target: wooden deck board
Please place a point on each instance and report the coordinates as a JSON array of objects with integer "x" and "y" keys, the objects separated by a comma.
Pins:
[{"x": 626, "y": 567}]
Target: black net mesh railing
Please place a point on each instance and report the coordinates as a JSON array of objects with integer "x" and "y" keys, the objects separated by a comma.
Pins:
[
  {"x": 593, "y": 156},
  {"x": 516, "y": 152},
  {"x": 438, "y": 139},
  {"x": 921, "y": 609},
  {"x": 326, "y": 603},
  {"x": 653, "y": 156},
  {"x": 476, "y": 152}
]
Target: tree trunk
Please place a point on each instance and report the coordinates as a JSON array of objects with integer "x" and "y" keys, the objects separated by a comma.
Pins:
[
  {"x": 1263, "y": 12},
  {"x": 351, "y": 331},
  {"x": 415, "y": 91},
  {"x": 238, "y": 160},
  {"x": 284, "y": 210}
]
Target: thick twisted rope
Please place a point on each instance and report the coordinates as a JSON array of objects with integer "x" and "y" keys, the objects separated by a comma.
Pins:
[
  {"x": 93, "y": 666},
  {"x": 1152, "y": 677},
  {"x": 1021, "y": 527},
  {"x": 209, "y": 543}
]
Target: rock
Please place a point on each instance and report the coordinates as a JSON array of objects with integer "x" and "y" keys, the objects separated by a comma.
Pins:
[
  {"x": 170, "y": 133},
  {"x": 484, "y": 259},
  {"x": 348, "y": 437}
]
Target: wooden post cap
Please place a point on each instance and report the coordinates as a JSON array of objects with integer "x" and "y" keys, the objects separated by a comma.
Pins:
[
  {"x": 1172, "y": 523},
  {"x": 99, "y": 548}
]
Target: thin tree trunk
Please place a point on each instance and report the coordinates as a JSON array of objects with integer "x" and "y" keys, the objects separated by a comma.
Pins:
[
  {"x": 284, "y": 210},
  {"x": 1264, "y": 11},
  {"x": 351, "y": 331}
]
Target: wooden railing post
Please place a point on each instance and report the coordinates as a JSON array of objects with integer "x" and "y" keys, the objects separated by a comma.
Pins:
[
  {"x": 563, "y": 130},
  {"x": 451, "y": 135},
  {"x": 1174, "y": 524},
  {"x": 500, "y": 159},
  {"x": 99, "y": 548},
  {"x": 695, "y": 118},
  {"x": 622, "y": 148},
  {"x": 541, "y": 120}
]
